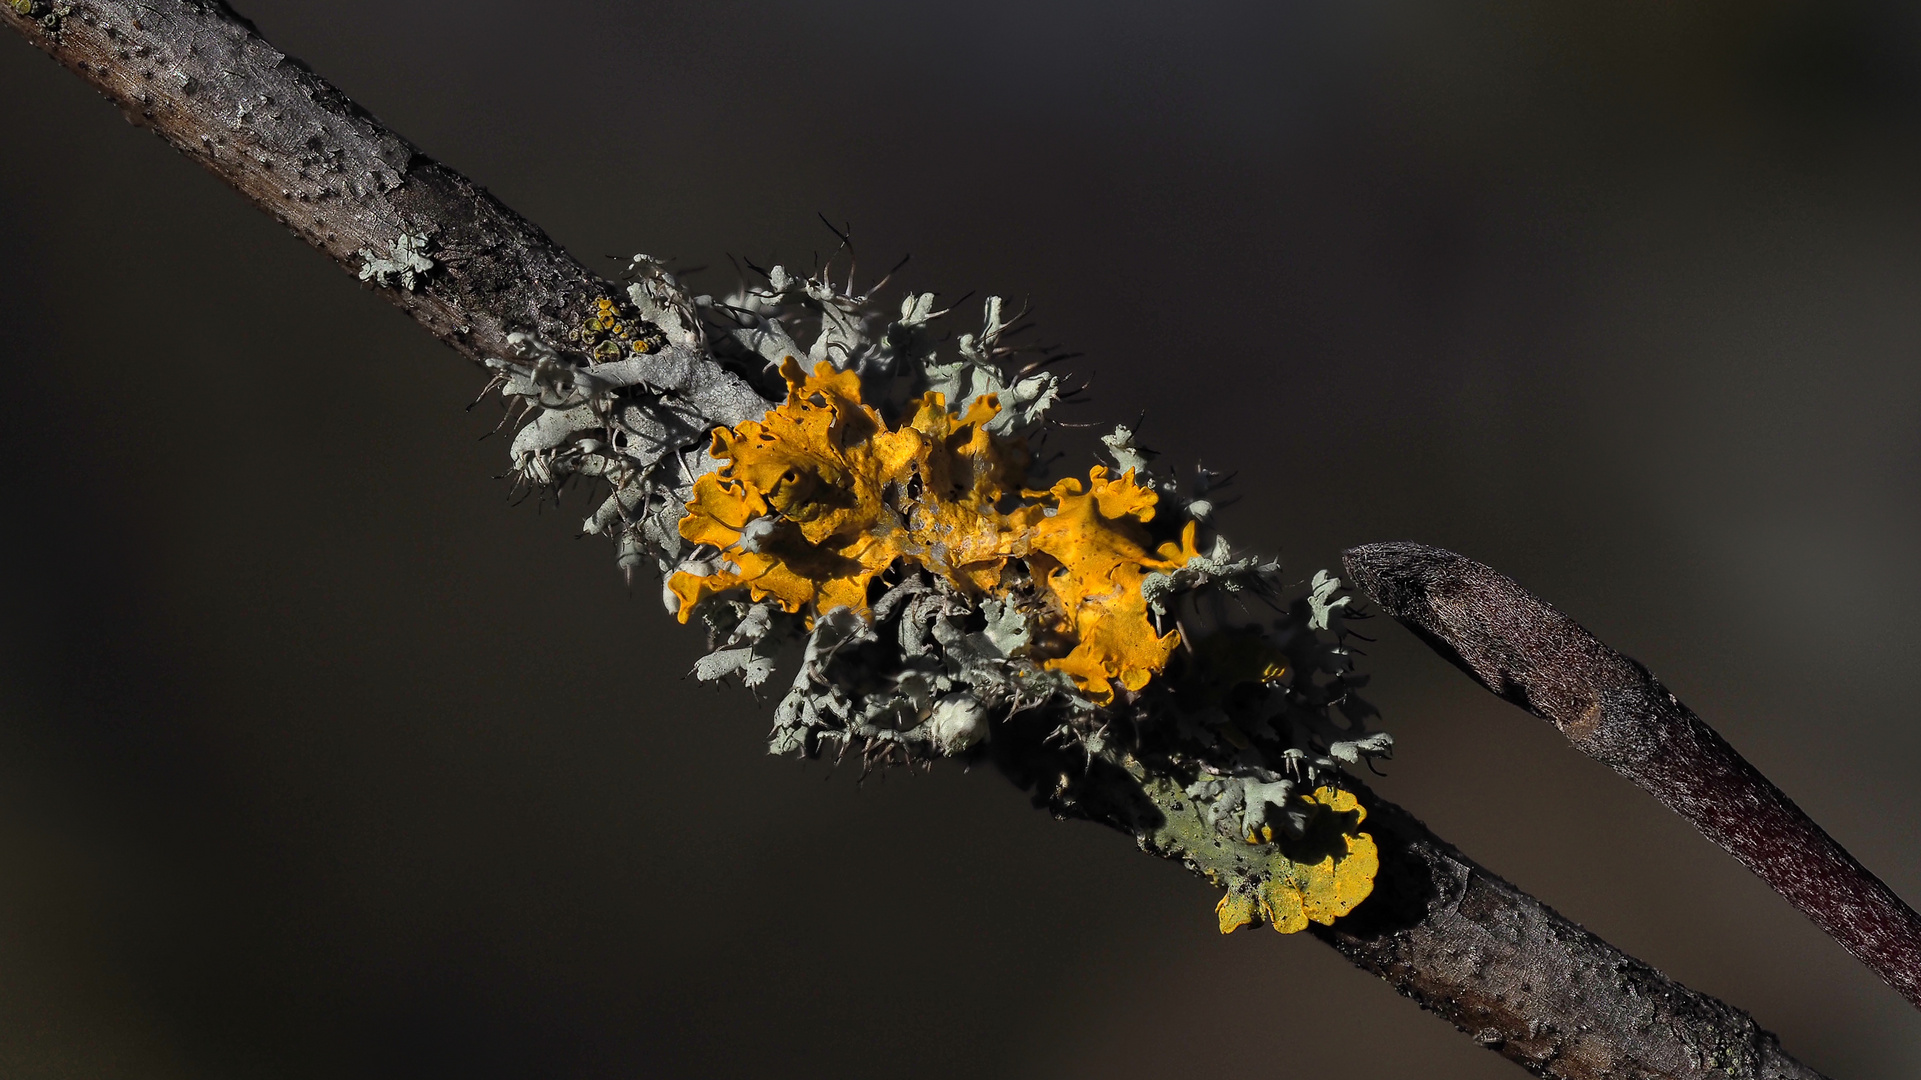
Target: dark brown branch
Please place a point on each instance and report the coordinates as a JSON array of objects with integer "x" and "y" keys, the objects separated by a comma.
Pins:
[
  {"x": 1615, "y": 711},
  {"x": 1481, "y": 953},
  {"x": 1506, "y": 969},
  {"x": 202, "y": 79},
  {"x": 1524, "y": 981}
]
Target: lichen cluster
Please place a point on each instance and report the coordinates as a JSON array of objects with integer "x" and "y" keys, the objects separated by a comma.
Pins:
[
  {"x": 819, "y": 499},
  {"x": 870, "y": 505}
]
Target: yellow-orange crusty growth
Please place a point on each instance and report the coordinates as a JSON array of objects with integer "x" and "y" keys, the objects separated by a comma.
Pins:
[
  {"x": 1295, "y": 893},
  {"x": 819, "y": 497}
]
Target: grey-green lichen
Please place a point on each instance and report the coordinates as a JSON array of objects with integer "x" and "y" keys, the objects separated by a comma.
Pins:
[
  {"x": 1316, "y": 871},
  {"x": 406, "y": 262},
  {"x": 829, "y": 483}
]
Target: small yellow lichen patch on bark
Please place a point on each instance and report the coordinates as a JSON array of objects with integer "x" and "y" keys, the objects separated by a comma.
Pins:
[
  {"x": 1236, "y": 910},
  {"x": 1294, "y": 893}
]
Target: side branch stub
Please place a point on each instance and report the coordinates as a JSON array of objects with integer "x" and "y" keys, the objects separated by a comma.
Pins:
[{"x": 1614, "y": 710}]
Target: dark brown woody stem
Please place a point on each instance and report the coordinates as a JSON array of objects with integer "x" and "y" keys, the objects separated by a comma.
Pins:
[
  {"x": 1617, "y": 712},
  {"x": 1503, "y": 967},
  {"x": 202, "y": 79}
]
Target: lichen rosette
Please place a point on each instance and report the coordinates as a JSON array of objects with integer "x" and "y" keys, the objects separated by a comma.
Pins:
[{"x": 820, "y": 497}]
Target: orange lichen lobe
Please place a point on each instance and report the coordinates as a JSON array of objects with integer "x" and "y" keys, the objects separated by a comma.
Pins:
[
  {"x": 849, "y": 497},
  {"x": 1295, "y": 893},
  {"x": 839, "y": 497},
  {"x": 1093, "y": 551}
]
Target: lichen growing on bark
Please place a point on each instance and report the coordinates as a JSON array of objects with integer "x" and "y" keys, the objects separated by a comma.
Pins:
[
  {"x": 820, "y": 497},
  {"x": 1316, "y": 877},
  {"x": 405, "y": 263},
  {"x": 820, "y": 479}
]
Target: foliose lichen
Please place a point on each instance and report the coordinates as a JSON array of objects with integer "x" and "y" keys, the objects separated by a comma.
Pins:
[
  {"x": 406, "y": 261},
  {"x": 1318, "y": 876},
  {"x": 870, "y": 505}
]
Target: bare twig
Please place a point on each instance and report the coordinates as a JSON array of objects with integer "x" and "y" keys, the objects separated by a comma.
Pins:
[
  {"x": 1455, "y": 938},
  {"x": 1615, "y": 711}
]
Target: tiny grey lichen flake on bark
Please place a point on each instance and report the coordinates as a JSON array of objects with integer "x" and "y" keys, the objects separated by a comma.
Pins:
[{"x": 403, "y": 266}]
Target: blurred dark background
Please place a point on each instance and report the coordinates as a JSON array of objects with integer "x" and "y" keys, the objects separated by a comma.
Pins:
[{"x": 318, "y": 760}]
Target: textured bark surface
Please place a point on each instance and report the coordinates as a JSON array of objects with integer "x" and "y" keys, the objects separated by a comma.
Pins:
[
  {"x": 1617, "y": 712},
  {"x": 1498, "y": 964},
  {"x": 1458, "y": 940},
  {"x": 202, "y": 79},
  {"x": 1516, "y": 976}
]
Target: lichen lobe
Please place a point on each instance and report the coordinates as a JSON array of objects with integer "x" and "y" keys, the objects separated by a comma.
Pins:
[
  {"x": 821, "y": 496},
  {"x": 1292, "y": 887}
]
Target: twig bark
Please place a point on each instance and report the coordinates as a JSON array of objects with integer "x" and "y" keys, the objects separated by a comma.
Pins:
[
  {"x": 1484, "y": 955},
  {"x": 1528, "y": 983},
  {"x": 1616, "y": 711},
  {"x": 203, "y": 79},
  {"x": 1503, "y": 967}
]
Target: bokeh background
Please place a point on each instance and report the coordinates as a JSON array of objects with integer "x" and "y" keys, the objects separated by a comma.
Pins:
[{"x": 317, "y": 759}]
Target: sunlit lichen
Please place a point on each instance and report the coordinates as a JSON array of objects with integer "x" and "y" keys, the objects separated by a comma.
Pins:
[
  {"x": 820, "y": 497},
  {"x": 821, "y": 480},
  {"x": 609, "y": 334},
  {"x": 1093, "y": 554},
  {"x": 1316, "y": 878},
  {"x": 406, "y": 263}
]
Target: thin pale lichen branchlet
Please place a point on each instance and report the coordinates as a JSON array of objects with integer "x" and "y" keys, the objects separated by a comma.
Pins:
[{"x": 885, "y": 515}]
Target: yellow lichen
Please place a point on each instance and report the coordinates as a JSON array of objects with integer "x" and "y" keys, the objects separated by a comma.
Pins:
[
  {"x": 1093, "y": 553},
  {"x": 1295, "y": 892},
  {"x": 1236, "y": 910},
  {"x": 606, "y": 334},
  {"x": 848, "y": 497}
]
